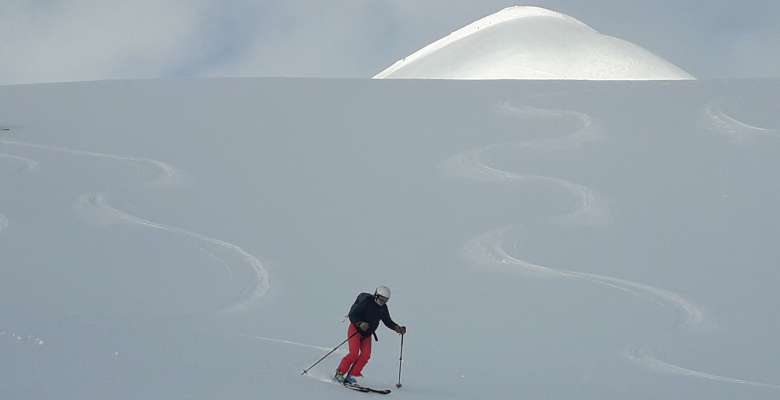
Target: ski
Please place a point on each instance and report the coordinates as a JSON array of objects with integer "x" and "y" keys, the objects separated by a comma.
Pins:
[{"x": 366, "y": 389}]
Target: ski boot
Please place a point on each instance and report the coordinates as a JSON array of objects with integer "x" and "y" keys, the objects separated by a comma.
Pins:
[{"x": 350, "y": 380}]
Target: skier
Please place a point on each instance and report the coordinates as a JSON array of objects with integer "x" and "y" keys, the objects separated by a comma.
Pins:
[{"x": 364, "y": 316}]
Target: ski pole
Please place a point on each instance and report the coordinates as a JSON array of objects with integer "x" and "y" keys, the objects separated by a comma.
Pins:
[
  {"x": 400, "y": 362},
  {"x": 329, "y": 353}
]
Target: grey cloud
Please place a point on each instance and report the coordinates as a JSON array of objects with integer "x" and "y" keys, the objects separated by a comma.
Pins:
[{"x": 83, "y": 40}]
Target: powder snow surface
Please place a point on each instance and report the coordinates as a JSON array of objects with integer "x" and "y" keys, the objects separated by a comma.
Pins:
[{"x": 542, "y": 239}]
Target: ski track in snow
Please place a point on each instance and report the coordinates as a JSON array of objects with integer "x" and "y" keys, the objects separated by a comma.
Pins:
[
  {"x": 317, "y": 374},
  {"x": 471, "y": 164},
  {"x": 94, "y": 207},
  {"x": 717, "y": 120},
  {"x": 288, "y": 342},
  {"x": 488, "y": 249},
  {"x": 313, "y": 373},
  {"x": 95, "y": 204},
  {"x": 219, "y": 261},
  {"x": 169, "y": 174},
  {"x": 645, "y": 358},
  {"x": 28, "y": 164}
]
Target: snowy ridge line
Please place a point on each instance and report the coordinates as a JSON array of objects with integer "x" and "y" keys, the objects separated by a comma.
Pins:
[
  {"x": 95, "y": 206},
  {"x": 470, "y": 164},
  {"x": 718, "y": 120},
  {"x": 645, "y": 358},
  {"x": 488, "y": 249},
  {"x": 282, "y": 341},
  {"x": 507, "y": 14},
  {"x": 29, "y": 163},
  {"x": 170, "y": 175}
]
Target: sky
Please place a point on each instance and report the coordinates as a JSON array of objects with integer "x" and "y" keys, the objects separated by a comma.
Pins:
[{"x": 70, "y": 40}]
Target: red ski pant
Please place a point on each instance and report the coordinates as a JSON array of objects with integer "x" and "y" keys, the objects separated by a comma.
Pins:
[{"x": 359, "y": 353}]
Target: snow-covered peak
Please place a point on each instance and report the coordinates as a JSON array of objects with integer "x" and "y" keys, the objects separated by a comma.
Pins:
[{"x": 523, "y": 42}]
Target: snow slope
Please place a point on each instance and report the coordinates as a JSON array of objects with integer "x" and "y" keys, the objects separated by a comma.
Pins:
[
  {"x": 543, "y": 239},
  {"x": 524, "y": 42}
]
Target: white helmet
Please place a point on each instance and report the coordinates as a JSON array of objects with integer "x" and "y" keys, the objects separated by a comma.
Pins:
[{"x": 383, "y": 291}]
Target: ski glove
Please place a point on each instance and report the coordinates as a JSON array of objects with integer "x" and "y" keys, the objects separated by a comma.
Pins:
[
  {"x": 401, "y": 330},
  {"x": 363, "y": 326}
]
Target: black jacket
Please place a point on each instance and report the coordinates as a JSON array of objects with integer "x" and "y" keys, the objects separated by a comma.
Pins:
[{"x": 365, "y": 309}]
